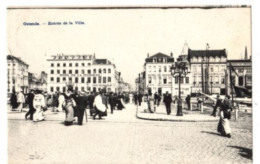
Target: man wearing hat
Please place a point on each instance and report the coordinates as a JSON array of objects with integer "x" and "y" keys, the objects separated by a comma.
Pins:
[
  {"x": 30, "y": 103},
  {"x": 82, "y": 103},
  {"x": 218, "y": 103}
]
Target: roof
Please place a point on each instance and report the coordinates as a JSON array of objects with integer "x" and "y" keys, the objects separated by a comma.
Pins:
[
  {"x": 158, "y": 56},
  {"x": 202, "y": 53},
  {"x": 102, "y": 61},
  {"x": 11, "y": 57},
  {"x": 239, "y": 60}
]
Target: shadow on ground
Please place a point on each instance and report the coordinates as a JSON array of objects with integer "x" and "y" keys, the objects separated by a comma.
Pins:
[
  {"x": 213, "y": 133},
  {"x": 244, "y": 152}
]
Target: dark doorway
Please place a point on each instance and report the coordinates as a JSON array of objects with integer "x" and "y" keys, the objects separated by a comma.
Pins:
[
  {"x": 240, "y": 80},
  {"x": 160, "y": 91}
]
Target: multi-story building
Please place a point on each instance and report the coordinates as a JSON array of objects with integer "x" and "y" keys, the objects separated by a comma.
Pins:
[
  {"x": 208, "y": 71},
  {"x": 84, "y": 72},
  {"x": 158, "y": 76},
  {"x": 140, "y": 83},
  {"x": 241, "y": 72},
  {"x": 17, "y": 74}
]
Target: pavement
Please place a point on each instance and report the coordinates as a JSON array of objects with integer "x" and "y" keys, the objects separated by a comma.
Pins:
[
  {"x": 122, "y": 138},
  {"x": 194, "y": 115}
]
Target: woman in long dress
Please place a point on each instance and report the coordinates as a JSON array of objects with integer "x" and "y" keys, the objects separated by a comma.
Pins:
[
  {"x": 61, "y": 101},
  {"x": 13, "y": 101},
  {"x": 69, "y": 104},
  {"x": 38, "y": 104},
  {"x": 225, "y": 115}
]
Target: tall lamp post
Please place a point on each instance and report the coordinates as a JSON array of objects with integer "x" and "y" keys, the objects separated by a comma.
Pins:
[
  {"x": 211, "y": 82},
  {"x": 177, "y": 70}
]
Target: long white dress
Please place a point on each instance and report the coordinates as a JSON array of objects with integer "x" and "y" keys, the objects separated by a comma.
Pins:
[
  {"x": 38, "y": 104},
  {"x": 61, "y": 101},
  {"x": 98, "y": 103}
]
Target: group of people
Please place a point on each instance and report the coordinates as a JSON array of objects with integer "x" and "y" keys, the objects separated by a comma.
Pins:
[{"x": 74, "y": 103}]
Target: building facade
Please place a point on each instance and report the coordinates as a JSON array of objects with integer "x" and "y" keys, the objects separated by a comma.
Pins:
[
  {"x": 208, "y": 71},
  {"x": 241, "y": 73},
  {"x": 158, "y": 76},
  {"x": 84, "y": 72},
  {"x": 17, "y": 74}
]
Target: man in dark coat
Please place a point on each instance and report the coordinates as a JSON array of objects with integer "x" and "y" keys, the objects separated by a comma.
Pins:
[
  {"x": 112, "y": 102},
  {"x": 188, "y": 101},
  {"x": 135, "y": 98},
  {"x": 155, "y": 96},
  {"x": 30, "y": 97},
  {"x": 140, "y": 96},
  {"x": 167, "y": 101},
  {"x": 218, "y": 103},
  {"x": 82, "y": 103},
  {"x": 91, "y": 98}
]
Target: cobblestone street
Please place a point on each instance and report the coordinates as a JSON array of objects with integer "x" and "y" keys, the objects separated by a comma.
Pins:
[{"x": 122, "y": 138}]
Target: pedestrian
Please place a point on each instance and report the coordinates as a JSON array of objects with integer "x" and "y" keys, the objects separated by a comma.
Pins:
[
  {"x": 120, "y": 105},
  {"x": 31, "y": 110},
  {"x": 39, "y": 106},
  {"x": 99, "y": 107},
  {"x": 150, "y": 102},
  {"x": 13, "y": 101},
  {"x": 159, "y": 100},
  {"x": 91, "y": 98},
  {"x": 140, "y": 96},
  {"x": 188, "y": 101},
  {"x": 225, "y": 115},
  {"x": 155, "y": 97},
  {"x": 104, "y": 101},
  {"x": 167, "y": 101},
  {"x": 21, "y": 101},
  {"x": 69, "y": 104},
  {"x": 82, "y": 103},
  {"x": 61, "y": 99},
  {"x": 136, "y": 98},
  {"x": 112, "y": 102},
  {"x": 218, "y": 103},
  {"x": 199, "y": 104}
]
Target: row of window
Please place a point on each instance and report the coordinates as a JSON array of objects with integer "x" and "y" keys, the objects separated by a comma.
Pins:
[
  {"x": 210, "y": 59},
  {"x": 154, "y": 69},
  {"x": 83, "y": 79},
  {"x": 94, "y": 89},
  {"x": 82, "y": 71},
  {"x": 215, "y": 68},
  {"x": 69, "y": 64}
]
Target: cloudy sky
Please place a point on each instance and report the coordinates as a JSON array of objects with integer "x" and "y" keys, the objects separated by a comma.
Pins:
[{"x": 125, "y": 36}]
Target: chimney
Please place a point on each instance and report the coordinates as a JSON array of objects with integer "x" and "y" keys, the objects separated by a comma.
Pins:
[
  {"x": 246, "y": 53},
  {"x": 171, "y": 54},
  {"x": 148, "y": 55}
]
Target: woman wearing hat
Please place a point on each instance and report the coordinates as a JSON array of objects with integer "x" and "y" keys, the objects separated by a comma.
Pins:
[{"x": 39, "y": 105}]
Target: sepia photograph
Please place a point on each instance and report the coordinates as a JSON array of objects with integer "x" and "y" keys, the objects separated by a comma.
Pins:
[{"x": 129, "y": 85}]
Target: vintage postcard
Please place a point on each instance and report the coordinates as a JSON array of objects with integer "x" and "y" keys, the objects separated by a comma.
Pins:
[{"x": 129, "y": 85}]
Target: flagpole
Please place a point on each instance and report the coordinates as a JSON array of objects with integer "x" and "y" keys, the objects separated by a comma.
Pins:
[{"x": 230, "y": 77}]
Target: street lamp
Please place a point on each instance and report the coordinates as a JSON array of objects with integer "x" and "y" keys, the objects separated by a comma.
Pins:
[
  {"x": 211, "y": 82},
  {"x": 178, "y": 69}
]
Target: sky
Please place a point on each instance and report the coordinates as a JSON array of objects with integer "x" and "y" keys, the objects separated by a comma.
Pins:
[{"x": 125, "y": 36}]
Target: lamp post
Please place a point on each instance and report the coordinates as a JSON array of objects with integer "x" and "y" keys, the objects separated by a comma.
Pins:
[
  {"x": 202, "y": 76},
  {"x": 211, "y": 82},
  {"x": 178, "y": 69}
]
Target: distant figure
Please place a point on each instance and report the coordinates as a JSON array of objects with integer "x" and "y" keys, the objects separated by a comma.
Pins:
[
  {"x": 13, "y": 101},
  {"x": 218, "y": 103},
  {"x": 150, "y": 102},
  {"x": 225, "y": 115},
  {"x": 135, "y": 98},
  {"x": 61, "y": 100},
  {"x": 20, "y": 100},
  {"x": 31, "y": 110},
  {"x": 140, "y": 96},
  {"x": 155, "y": 97},
  {"x": 188, "y": 101},
  {"x": 199, "y": 104},
  {"x": 91, "y": 98},
  {"x": 112, "y": 102},
  {"x": 167, "y": 101}
]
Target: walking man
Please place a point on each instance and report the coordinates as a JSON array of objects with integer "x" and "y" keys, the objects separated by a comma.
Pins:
[
  {"x": 167, "y": 101},
  {"x": 140, "y": 96},
  {"x": 82, "y": 103},
  {"x": 188, "y": 101},
  {"x": 20, "y": 100},
  {"x": 30, "y": 103}
]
